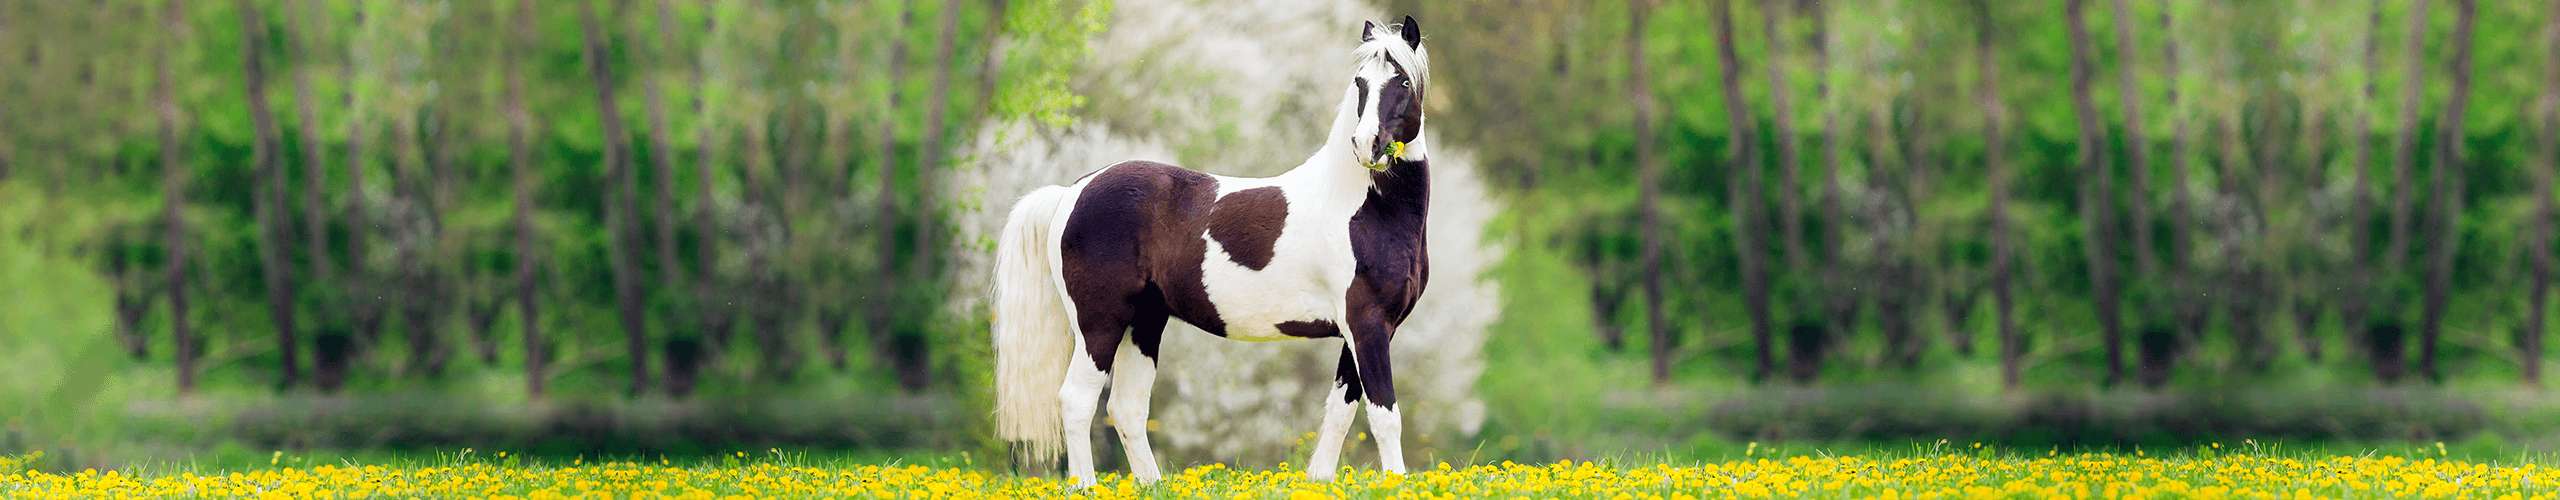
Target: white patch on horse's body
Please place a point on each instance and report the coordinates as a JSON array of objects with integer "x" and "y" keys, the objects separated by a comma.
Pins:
[{"x": 1311, "y": 263}]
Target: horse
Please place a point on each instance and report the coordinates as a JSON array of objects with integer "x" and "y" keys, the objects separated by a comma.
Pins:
[{"x": 1088, "y": 273}]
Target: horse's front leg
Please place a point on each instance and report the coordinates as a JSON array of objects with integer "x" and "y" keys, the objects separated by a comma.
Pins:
[
  {"x": 1337, "y": 419},
  {"x": 1377, "y": 385}
]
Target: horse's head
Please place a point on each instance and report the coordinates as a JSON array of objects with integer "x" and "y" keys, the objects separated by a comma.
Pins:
[{"x": 1393, "y": 72}]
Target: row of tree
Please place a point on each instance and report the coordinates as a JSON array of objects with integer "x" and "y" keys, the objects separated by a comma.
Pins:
[
  {"x": 375, "y": 185},
  {"x": 2264, "y": 168}
]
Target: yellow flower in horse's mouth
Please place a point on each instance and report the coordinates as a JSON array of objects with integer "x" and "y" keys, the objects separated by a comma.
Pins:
[{"x": 1395, "y": 149}]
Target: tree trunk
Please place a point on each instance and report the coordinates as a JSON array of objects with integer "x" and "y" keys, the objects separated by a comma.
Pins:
[
  {"x": 2096, "y": 191},
  {"x": 1648, "y": 199},
  {"x": 2137, "y": 143},
  {"x": 1605, "y": 301},
  {"x": 884, "y": 302},
  {"x": 1742, "y": 185},
  {"x": 2188, "y": 314},
  {"x": 268, "y": 194},
  {"x": 626, "y": 291},
  {"x": 1832, "y": 220},
  {"x": 2352, "y": 308},
  {"x": 755, "y": 290},
  {"x": 2178, "y": 138},
  {"x": 936, "y": 111},
  {"x": 1841, "y": 301},
  {"x": 708, "y": 311},
  {"x": 437, "y": 190},
  {"x": 2404, "y": 146},
  {"x": 133, "y": 300},
  {"x": 991, "y": 54},
  {"x": 662, "y": 153},
  {"x": 314, "y": 165},
  {"x": 520, "y": 164},
  {"x": 420, "y": 283},
  {"x": 1986, "y": 57},
  {"x": 366, "y": 310},
  {"x": 2237, "y": 286},
  {"x": 2548, "y": 112},
  {"x": 1790, "y": 210},
  {"x": 174, "y": 194},
  {"x": 2309, "y": 285},
  {"x": 2447, "y": 183}
]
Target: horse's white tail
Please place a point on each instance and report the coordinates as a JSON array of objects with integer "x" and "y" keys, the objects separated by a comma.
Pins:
[{"x": 1033, "y": 342}]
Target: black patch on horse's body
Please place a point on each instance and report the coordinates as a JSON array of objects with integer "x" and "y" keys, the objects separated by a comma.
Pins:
[
  {"x": 1131, "y": 255},
  {"x": 1313, "y": 329},
  {"x": 1388, "y": 242},
  {"x": 1247, "y": 224}
]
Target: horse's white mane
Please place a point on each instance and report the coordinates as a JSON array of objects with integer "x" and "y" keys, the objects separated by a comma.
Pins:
[{"x": 1388, "y": 42}]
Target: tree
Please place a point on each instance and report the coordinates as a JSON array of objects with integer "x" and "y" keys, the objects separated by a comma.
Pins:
[
  {"x": 1831, "y": 217},
  {"x": 991, "y": 55},
  {"x": 174, "y": 192},
  {"x": 1742, "y": 186},
  {"x": 662, "y": 152},
  {"x": 520, "y": 166},
  {"x": 269, "y": 194},
  {"x": 2446, "y": 182},
  {"x": 1986, "y": 57},
  {"x": 2096, "y": 190},
  {"x": 1649, "y": 190},
  {"x": 1841, "y": 306},
  {"x": 887, "y": 341},
  {"x": 617, "y": 207},
  {"x": 2137, "y": 142},
  {"x": 2548, "y": 113},
  {"x": 366, "y": 310},
  {"x": 314, "y": 164},
  {"x": 414, "y": 229},
  {"x": 935, "y": 111},
  {"x": 708, "y": 308},
  {"x": 2404, "y": 144},
  {"x": 1783, "y": 132}
]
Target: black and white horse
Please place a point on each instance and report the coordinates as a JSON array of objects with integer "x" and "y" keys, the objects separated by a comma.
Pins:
[{"x": 1087, "y": 274}]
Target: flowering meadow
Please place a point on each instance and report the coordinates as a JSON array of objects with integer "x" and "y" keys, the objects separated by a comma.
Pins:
[{"x": 1944, "y": 474}]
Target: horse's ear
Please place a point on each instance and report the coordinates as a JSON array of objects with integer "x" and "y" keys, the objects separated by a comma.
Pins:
[
  {"x": 1368, "y": 31},
  {"x": 1412, "y": 32}
]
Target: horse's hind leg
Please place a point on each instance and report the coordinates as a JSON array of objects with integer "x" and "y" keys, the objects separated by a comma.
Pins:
[
  {"x": 1086, "y": 375},
  {"x": 1133, "y": 379},
  {"x": 1337, "y": 419}
]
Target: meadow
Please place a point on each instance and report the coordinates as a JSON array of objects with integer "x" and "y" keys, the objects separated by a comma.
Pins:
[{"x": 1936, "y": 470}]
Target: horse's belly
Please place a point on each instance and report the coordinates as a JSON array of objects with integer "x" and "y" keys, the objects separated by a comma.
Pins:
[
  {"x": 1254, "y": 303},
  {"x": 1253, "y": 309}
]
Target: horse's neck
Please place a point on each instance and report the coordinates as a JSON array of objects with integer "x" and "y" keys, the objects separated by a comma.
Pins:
[
  {"x": 1330, "y": 172},
  {"x": 1404, "y": 187}
]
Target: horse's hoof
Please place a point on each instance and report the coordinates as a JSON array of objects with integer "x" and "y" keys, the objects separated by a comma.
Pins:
[{"x": 1321, "y": 477}]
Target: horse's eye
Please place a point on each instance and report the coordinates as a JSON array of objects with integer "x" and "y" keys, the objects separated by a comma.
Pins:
[{"x": 1407, "y": 83}]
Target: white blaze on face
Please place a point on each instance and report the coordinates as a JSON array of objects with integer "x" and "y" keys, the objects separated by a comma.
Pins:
[{"x": 1369, "y": 82}]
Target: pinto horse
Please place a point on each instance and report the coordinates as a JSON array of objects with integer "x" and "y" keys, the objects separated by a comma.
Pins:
[{"x": 1087, "y": 274}]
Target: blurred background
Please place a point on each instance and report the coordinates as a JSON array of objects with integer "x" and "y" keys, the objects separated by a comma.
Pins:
[{"x": 1670, "y": 228}]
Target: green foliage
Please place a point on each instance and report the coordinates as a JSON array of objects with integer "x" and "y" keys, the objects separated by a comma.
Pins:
[
  {"x": 784, "y": 107},
  {"x": 1044, "y": 56}
]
